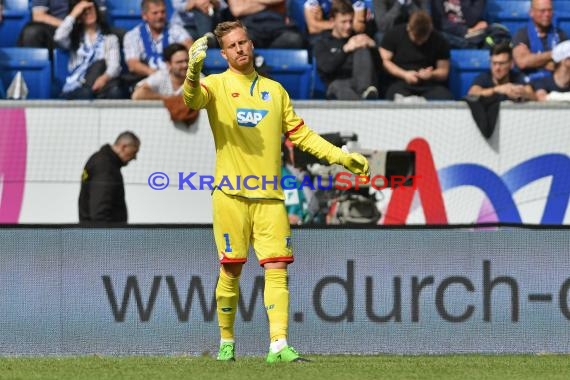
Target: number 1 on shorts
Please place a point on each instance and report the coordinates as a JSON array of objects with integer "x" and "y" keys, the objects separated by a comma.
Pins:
[{"x": 228, "y": 245}]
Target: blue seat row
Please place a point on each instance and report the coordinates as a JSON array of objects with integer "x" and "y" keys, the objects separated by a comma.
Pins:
[
  {"x": 125, "y": 14},
  {"x": 514, "y": 14},
  {"x": 289, "y": 67}
]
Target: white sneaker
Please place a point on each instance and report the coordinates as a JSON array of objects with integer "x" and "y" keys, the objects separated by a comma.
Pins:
[{"x": 370, "y": 93}]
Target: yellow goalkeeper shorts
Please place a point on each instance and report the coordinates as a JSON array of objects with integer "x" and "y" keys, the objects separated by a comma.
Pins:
[{"x": 239, "y": 221}]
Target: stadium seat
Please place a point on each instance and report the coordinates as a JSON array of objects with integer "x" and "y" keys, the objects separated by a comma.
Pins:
[
  {"x": 562, "y": 15},
  {"x": 125, "y": 14},
  {"x": 60, "y": 70},
  {"x": 297, "y": 13},
  {"x": 290, "y": 67},
  {"x": 511, "y": 13},
  {"x": 318, "y": 88},
  {"x": 35, "y": 67},
  {"x": 2, "y": 91},
  {"x": 466, "y": 64},
  {"x": 214, "y": 62},
  {"x": 169, "y": 9},
  {"x": 16, "y": 14}
]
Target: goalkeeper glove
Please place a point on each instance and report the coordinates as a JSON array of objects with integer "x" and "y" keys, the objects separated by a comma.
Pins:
[
  {"x": 197, "y": 54},
  {"x": 356, "y": 163}
]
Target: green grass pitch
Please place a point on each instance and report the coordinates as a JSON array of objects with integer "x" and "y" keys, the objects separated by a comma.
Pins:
[{"x": 463, "y": 367}]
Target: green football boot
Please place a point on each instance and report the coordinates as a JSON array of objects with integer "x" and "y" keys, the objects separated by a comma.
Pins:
[
  {"x": 286, "y": 355},
  {"x": 227, "y": 352}
]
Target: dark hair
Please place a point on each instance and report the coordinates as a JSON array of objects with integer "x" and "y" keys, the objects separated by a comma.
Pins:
[
  {"x": 420, "y": 24},
  {"x": 226, "y": 27},
  {"x": 172, "y": 49},
  {"x": 144, "y": 3},
  {"x": 503, "y": 47},
  {"x": 76, "y": 34},
  {"x": 342, "y": 7},
  {"x": 128, "y": 138}
]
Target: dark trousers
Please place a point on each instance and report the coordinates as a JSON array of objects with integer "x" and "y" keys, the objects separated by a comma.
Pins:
[
  {"x": 203, "y": 24},
  {"x": 268, "y": 29},
  {"x": 37, "y": 34},
  {"x": 458, "y": 42},
  {"x": 430, "y": 91},
  {"x": 112, "y": 90},
  {"x": 364, "y": 75}
]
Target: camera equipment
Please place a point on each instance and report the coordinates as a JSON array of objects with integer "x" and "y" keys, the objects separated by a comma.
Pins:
[{"x": 390, "y": 164}]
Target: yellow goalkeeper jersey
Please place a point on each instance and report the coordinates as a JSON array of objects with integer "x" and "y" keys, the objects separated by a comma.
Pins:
[{"x": 248, "y": 115}]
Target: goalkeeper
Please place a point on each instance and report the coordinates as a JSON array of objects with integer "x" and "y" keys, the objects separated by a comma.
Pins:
[{"x": 248, "y": 115}]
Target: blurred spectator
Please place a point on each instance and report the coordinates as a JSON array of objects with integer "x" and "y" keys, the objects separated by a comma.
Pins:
[
  {"x": 556, "y": 86},
  {"x": 317, "y": 17},
  {"x": 198, "y": 17},
  {"x": 144, "y": 44},
  {"x": 346, "y": 61},
  {"x": 165, "y": 82},
  {"x": 1, "y": 10},
  {"x": 95, "y": 56},
  {"x": 389, "y": 13},
  {"x": 501, "y": 80},
  {"x": 533, "y": 44},
  {"x": 267, "y": 24},
  {"x": 165, "y": 85},
  {"x": 47, "y": 15},
  {"x": 297, "y": 196},
  {"x": 102, "y": 195},
  {"x": 417, "y": 59},
  {"x": 460, "y": 22}
]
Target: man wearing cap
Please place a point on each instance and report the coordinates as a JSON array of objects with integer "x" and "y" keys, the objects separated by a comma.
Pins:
[{"x": 557, "y": 86}]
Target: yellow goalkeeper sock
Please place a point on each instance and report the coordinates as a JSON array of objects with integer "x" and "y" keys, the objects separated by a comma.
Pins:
[
  {"x": 276, "y": 298},
  {"x": 227, "y": 294}
]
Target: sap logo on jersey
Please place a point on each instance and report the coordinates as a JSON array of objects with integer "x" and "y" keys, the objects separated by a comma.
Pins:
[{"x": 249, "y": 118}]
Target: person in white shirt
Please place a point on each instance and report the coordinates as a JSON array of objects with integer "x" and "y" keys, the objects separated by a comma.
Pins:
[
  {"x": 144, "y": 44},
  {"x": 165, "y": 82}
]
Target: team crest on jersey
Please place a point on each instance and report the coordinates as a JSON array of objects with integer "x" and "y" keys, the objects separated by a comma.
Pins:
[
  {"x": 265, "y": 96},
  {"x": 249, "y": 117}
]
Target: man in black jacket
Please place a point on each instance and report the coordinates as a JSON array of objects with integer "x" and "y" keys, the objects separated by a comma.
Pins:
[
  {"x": 102, "y": 196},
  {"x": 347, "y": 62}
]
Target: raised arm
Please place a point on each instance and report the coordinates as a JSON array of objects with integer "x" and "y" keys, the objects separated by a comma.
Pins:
[{"x": 194, "y": 98}]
